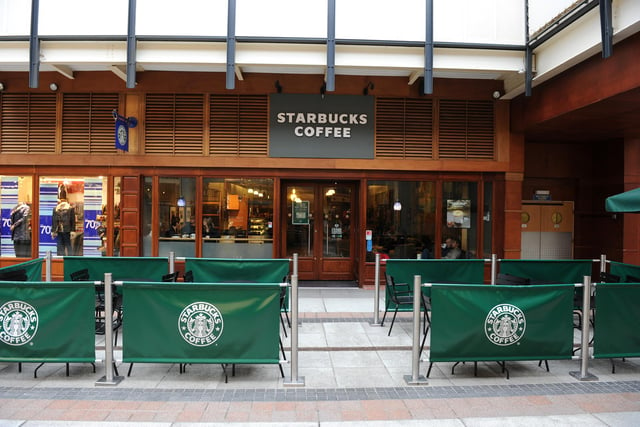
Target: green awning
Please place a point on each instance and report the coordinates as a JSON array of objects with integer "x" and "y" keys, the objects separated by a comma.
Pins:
[{"x": 629, "y": 201}]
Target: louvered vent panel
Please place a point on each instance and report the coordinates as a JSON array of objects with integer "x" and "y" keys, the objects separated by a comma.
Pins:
[
  {"x": 390, "y": 116},
  {"x": 254, "y": 126},
  {"x": 466, "y": 130},
  {"x": 159, "y": 124},
  {"x": 28, "y": 123},
  {"x": 225, "y": 125},
  {"x": 480, "y": 130},
  {"x": 76, "y": 123},
  {"x": 419, "y": 129},
  {"x": 189, "y": 125}
]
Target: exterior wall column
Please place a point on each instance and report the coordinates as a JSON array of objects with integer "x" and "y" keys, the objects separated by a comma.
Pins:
[
  {"x": 513, "y": 198},
  {"x": 631, "y": 221}
]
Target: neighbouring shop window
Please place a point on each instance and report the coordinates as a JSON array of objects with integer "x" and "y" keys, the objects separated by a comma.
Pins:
[
  {"x": 401, "y": 218},
  {"x": 72, "y": 211},
  {"x": 147, "y": 228},
  {"x": 237, "y": 218},
  {"x": 460, "y": 209},
  {"x": 177, "y": 216},
  {"x": 15, "y": 207}
]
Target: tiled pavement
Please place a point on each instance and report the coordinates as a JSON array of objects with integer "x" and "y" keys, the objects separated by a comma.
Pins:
[{"x": 353, "y": 374}]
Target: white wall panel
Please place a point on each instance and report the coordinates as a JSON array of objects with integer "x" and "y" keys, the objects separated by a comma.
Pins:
[
  {"x": 281, "y": 18},
  {"x": 77, "y": 17}
]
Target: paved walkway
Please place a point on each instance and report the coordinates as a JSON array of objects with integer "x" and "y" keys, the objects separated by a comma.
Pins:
[{"x": 353, "y": 374}]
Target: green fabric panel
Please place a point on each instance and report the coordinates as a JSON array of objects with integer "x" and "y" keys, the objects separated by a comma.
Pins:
[
  {"x": 624, "y": 271},
  {"x": 549, "y": 271},
  {"x": 617, "y": 321},
  {"x": 121, "y": 268},
  {"x": 465, "y": 321},
  {"x": 157, "y": 317},
  {"x": 65, "y": 330},
  {"x": 221, "y": 270},
  {"x": 33, "y": 269}
]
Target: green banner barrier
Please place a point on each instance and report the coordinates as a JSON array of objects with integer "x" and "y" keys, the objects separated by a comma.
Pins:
[
  {"x": 616, "y": 332},
  {"x": 627, "y": 272},
  {"x": 479, "y": 322},
  {"x": 33, "y": 269},
  {"x": 201, "y": 323},
  {"x": 121, "y": 268},
  {"x": 218, "y": 270},
  {"x": 47, "y": 322},
  {"x": 548, "y": 271}
]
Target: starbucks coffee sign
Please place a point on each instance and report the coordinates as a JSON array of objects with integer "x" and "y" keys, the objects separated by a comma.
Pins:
[{"x": 330, "y": 126}]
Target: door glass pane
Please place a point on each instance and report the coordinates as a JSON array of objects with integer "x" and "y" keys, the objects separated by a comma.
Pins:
[
  {"x": 300, "y": 220},
  {"x": 460, "y": 214},
  {"x": 336, "y": 208}
]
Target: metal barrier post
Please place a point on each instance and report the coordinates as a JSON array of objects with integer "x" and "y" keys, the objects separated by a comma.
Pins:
[
  {"x": 603, "y": 263},
  {"x": 584, "y": 374},
  {"x": 108, "y": 378},
  {"x": 376, "y": 293},
  {"x": 415, "y": 377},
  {"x": 47, "y": 269},
  {"x": 494, "y": 268},
  {"x": 172, "y": 262},
  {"x": 294, "y": 380}
]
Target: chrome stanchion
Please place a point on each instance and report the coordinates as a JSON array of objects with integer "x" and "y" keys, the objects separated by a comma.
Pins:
[
  {"x": 172, "y": 262},
  {"x": 603, "y": 263},
  {"x": 47, "y": 269},
  {"x": 294, "y": 380},
  {"x": 415, "y": 377},
  {"x": 584, "y": 374},
  {"x": 109, "y": 378},
  {"x": 494, "y": 268},
  {"x": 376, "y": 293}
]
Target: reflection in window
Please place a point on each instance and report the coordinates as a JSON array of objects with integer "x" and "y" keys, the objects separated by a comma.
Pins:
[
  {"x": 15, "y": 207},
  {"x": 72, "y": 211},
  {"x": 177, "y": 216},
  {"x": 401, "y": 216}
]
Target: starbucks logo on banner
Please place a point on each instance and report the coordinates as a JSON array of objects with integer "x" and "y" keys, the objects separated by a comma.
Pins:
[
  {"x": 505, "y": 324},
  {"x": 18, "y": 323},
  {"x": 200, "y": 324}
]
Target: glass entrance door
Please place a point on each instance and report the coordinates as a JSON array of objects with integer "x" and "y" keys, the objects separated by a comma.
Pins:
[{"x": 319, "y": 225}]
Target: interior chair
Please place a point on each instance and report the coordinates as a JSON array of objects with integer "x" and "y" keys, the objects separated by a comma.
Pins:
[
  {"x": 170, "y": 277},
  {"x": 80, "y": 275},
  {"x": 632, "y": 279},
  {"x": 188, "y": 276},
  {"x": 401, "y": 295}
]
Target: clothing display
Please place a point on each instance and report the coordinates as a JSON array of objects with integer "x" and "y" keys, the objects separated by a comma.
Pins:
[
  {"x": 21, "y": 230},
  {"x": 63, "y": 222}
]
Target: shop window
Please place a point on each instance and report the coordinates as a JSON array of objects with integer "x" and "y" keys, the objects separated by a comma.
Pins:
[
  {"x": 401, "y": 217},
  {"x": 72, "y": 213},
  {"x": 237, "y": 218},
  {"x": 177, "y": 216},
  {"x": 15, "y": 206},
  {"x": 460, "y": 216}
]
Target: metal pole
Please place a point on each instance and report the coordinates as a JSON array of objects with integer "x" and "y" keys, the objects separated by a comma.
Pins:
[
  {"x": 603, "y": 263},
  {"x": 295, "y": 264},
  {"x": 415, "y": 377},
  {"x": 584, "y": 374},
  {"x": 172, "y": 262},
  {"x": 108, "y": 378},
  {"x": 494, "y": 268},
  {"x": 376, "y": 293},
  {"x": 48, "y": 266},
  {"x": 294, "y": 380}
]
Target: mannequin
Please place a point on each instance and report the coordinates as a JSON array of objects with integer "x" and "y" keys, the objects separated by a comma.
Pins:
[
  {"x": 62, "y": 224},
  {"x": 20, "y": 230}
]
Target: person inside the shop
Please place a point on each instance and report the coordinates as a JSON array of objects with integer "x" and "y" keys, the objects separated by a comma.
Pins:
[
  {"x": 20, "y": 230},
  {"x": 174, "y": 230},
  {"x": 63, "y": 222},
  {"x": 453, "y": 250}
]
